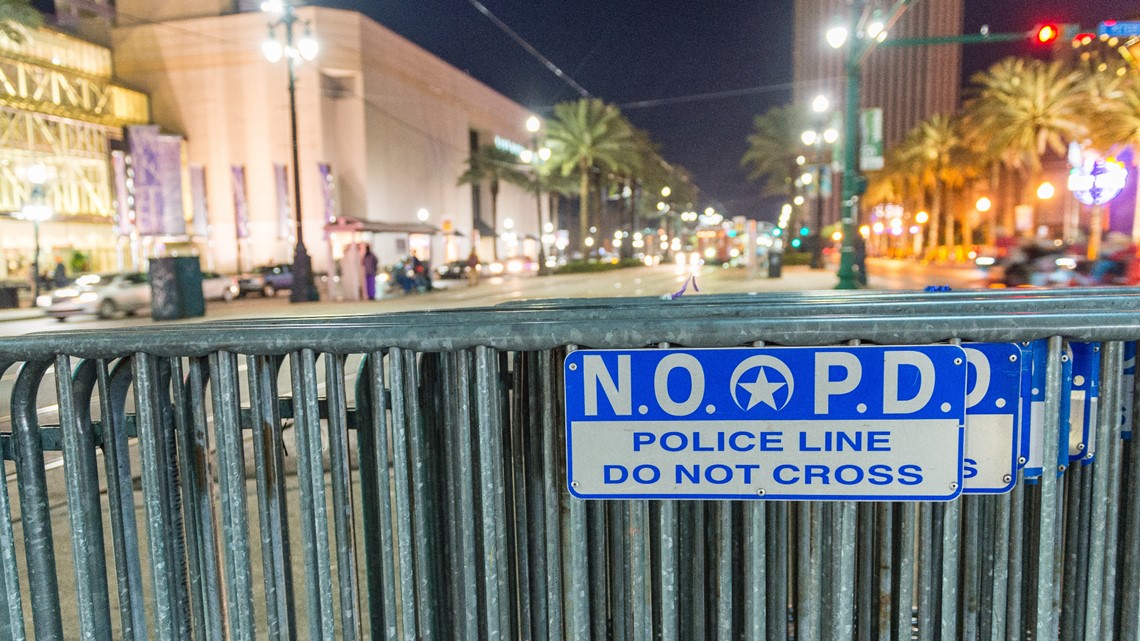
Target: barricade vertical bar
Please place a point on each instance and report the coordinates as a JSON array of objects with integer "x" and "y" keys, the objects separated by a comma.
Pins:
[
  {"x": 1074, "y": 481},
  {"x": 535, "y": 495},
  {"x": 699, "y": 574},
  {"x": 12, "y": 612},
  {"x": 865, "y": 514},
  {"x": 904, "y": 614},
  {"x": 829, "y": 561},
  {"x": 988, "y": 508},
  {"x": 1110, "y": 414},
  {"x": 197, "y": 558},
  {"x": 493, "y": 552},
  {"x": 268, "y": 454},
  {"x": 446, "y": 417},
  {"x": 619, "y": 523},
  {"x": 1130, "y": 616},
  {"x": 400, "y": 463},
  {"x": 756, "y": 571},
  {"x": 971, "y": 581},
  {"x": 386, "y": 527},
  {"x": 231, "y": 484},
  {"x": 577, "y": 597},
  {"x": 1083, "y": 541},
  {"x": 514, "y": 462},
  {"x": 85, "y": 515},
  {"x": 781, "y": 575},
  {"x": 172, "y": 499},
  {"x": 805, "y": 626},
  {"x": 926, "y": 572},
  {"x": 420, "y": 497},
  {"x": 306, "y": 419},
  {"x": 815, "y": 585},
  {"x": 552, "y": 494},
  {"x": 886, "y": 544},
  {"x": 999, "y": 539},
  {"x": 596, "y": 533},
  {"x": 668, "y": 572},
  {"x": 120, "y": 492},
  {"x": 724, "y": 570},
  {"x": 1049, "y": 522},
  {"x": 639, "y": 594},
  {"x": 467, "y": 482},
  {"x": 159, "y": 529},
  {"x": 494, "y": 390},
  {"x": 1098, "y": 535},
  {"x": 342, "y": 497},
  {"x": 35, "y": 512},
  {"x": 1016, "y": 597},
  {"x": 370, "y": 516},
  {"x": 845, "y": 607}
]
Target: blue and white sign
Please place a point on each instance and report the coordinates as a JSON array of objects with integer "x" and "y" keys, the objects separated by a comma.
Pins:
[
  {"x": 1118, "y": 29},
  {"x": 825, "y": 423},
  {"x": 1084, "y": 393},
  {"x": 993, "y": 407}
]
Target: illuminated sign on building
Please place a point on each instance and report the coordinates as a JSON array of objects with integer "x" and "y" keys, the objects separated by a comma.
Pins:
[
  {"x": 508, "y": 145},
  {"x": 1096, "y": 182}
]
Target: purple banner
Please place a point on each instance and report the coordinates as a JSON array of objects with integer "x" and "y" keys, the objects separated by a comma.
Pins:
[
  {"x": 123, "y": 216},
  {"x": 147, "y": 190},
  {"x": 284, "y": 211},
  {"x": 328, "y": 191},
  {"x": 241, "y": 205},
  {"x": 170, "y": 181},
  {"x": 199, "y": 214}
]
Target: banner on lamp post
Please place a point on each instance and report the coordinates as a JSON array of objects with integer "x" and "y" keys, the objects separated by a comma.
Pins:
[
  {"x": 147, "y": 191},
  {"x": 241, "y": 205},
  {"x": 124, "y": 215},
  {"x": 871, "y": 135},
  {"x": 199, "y": 212},
  {"x": 173, "y": 221},
  {"x": 284, "y": 209}
]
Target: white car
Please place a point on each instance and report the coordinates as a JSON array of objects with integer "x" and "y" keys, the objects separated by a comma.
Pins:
[
  {"x": 102, "y": 295},
  {"x": 219, "y": 286}
]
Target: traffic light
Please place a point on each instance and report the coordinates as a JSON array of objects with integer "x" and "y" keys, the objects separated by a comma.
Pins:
[
  {"x": 796, "y": 242},
  {"x": 777, "y": 232},
  {"x": 804, "y": 231},
  {"x": 1047, "y": 33}
]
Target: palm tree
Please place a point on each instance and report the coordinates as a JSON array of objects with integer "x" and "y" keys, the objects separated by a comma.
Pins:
[
  {"x": 16, "y": 16},
  {"x": 1028, "y": 107},
  {"x": 772, "y": 149},
  {"x": 495, "y": 166},
  {"x": 584, "y": 136},
  {"x": 1120, "y": 125},
  {"x": 929, "y": 151}
]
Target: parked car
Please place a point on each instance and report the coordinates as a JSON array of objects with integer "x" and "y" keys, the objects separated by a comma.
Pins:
[
  {"x": 456, "y": 269},
  {"x": 219, "y": 286},
  {"x": 102, "y": 295},
  {"x": 267, "y": 280}
]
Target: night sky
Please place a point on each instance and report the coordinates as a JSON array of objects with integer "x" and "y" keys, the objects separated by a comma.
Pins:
[{"x": 633, "y": 51}]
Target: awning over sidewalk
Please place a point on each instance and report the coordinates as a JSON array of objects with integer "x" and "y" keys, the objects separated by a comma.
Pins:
[{"x": 350, "y": 224}]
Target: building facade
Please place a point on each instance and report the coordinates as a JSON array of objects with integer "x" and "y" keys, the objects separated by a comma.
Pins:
[
  {"x": 384, "y": 131},
  {"x": 61, "y": 112},
  {"x": 910, "y": 84}
]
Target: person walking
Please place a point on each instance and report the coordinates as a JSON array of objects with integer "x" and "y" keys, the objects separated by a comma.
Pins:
[
  {"x": 472, "y": 268},
  {"x": 371, "y": 263}
]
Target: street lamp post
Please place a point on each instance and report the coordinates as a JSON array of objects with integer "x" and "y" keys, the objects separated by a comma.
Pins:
[
  {"x": 538, "y": 156},
  {"x": 37, "y": 210},
  {"x": 304, "y": 289}
]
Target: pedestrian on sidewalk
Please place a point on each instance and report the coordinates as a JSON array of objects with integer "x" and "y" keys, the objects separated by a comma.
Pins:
[
  {"x": 472, "y": 268},
  {"x": 371, "y": 263}
]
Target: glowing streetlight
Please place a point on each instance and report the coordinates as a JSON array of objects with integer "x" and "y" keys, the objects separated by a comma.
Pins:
[
  {"x": 1045, "y": 190},
  {"x": 820, "y": 104},
  {"x": 921, "y": 217},
  {"x": 544, "y": 154},
  {"x": 798, "y": 200},
  {"x": 807, "y": 178},
  {"x": 830, "y": 135},
  {"x": 983, "y": 204},
  {"x": 786, "y": 210},
  {"x": 809, "y": 137},
  {"x": 422, "y": 215},
  {"x": 665, "y": 191},
  {"x": 836, "y": 37},
  {"x": 526, "y": 156},
  {"x": 532, "y": 124},
  {"x": 709, "y": 211},
  {"x": 800, "y": 160},
  {"x": 874, "y": 29}
]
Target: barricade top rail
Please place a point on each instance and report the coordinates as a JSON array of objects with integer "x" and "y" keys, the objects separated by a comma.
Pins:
[{"x": 451, "y": 331}]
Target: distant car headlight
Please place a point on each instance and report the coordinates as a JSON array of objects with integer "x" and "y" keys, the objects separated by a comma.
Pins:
[
  {"x": 43, "y": 300},
  {"x": 515, "y": 266},
  {"x": 496, "y": 268},
  {"x": 234, "y": 289},
  {"x": 984, "y": 261},
  {"x": 88, "y": 297}
]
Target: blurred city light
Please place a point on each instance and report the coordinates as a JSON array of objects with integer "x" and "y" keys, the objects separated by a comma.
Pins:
[
  {"x": 921, "y": 217},
  {"x": 983, "y": 204},
  {"x": 1045, "y": 190},
  {"x": 820, "y": 104},
  {"x": 836, "y": 37}
]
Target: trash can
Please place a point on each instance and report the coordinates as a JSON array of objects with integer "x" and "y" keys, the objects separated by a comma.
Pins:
[
  {"x": 176, "y": 288},
  {"x": 775, "y": 264},
  {"x": 9, "y": 296}
]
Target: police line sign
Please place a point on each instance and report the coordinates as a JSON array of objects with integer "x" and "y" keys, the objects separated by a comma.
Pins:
[{"x": 844, "y": 423}]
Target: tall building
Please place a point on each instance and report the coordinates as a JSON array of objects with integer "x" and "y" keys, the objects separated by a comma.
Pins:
[
  {"x": 910, "y": 84},
  {"x": 61, "y": 112},
  {"x": 384, "y": 131}
]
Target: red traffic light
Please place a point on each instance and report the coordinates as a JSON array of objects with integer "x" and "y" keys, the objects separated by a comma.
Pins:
[{"x": 1047, "y": 33}]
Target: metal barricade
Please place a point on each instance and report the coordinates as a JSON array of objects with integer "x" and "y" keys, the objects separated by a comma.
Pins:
[{"x": 404, "y": 477}]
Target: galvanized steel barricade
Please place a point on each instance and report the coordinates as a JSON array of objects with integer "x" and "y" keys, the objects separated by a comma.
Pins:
[{"x": 404, "y": 477}]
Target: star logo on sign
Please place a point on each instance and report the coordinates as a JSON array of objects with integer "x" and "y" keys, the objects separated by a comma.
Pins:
[{"x": 762, "y": 390}]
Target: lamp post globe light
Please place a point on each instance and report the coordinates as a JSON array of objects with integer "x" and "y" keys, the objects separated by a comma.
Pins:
[
  {"x": 37, "y": 210},
  {"x": 295, "y": 52}
]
